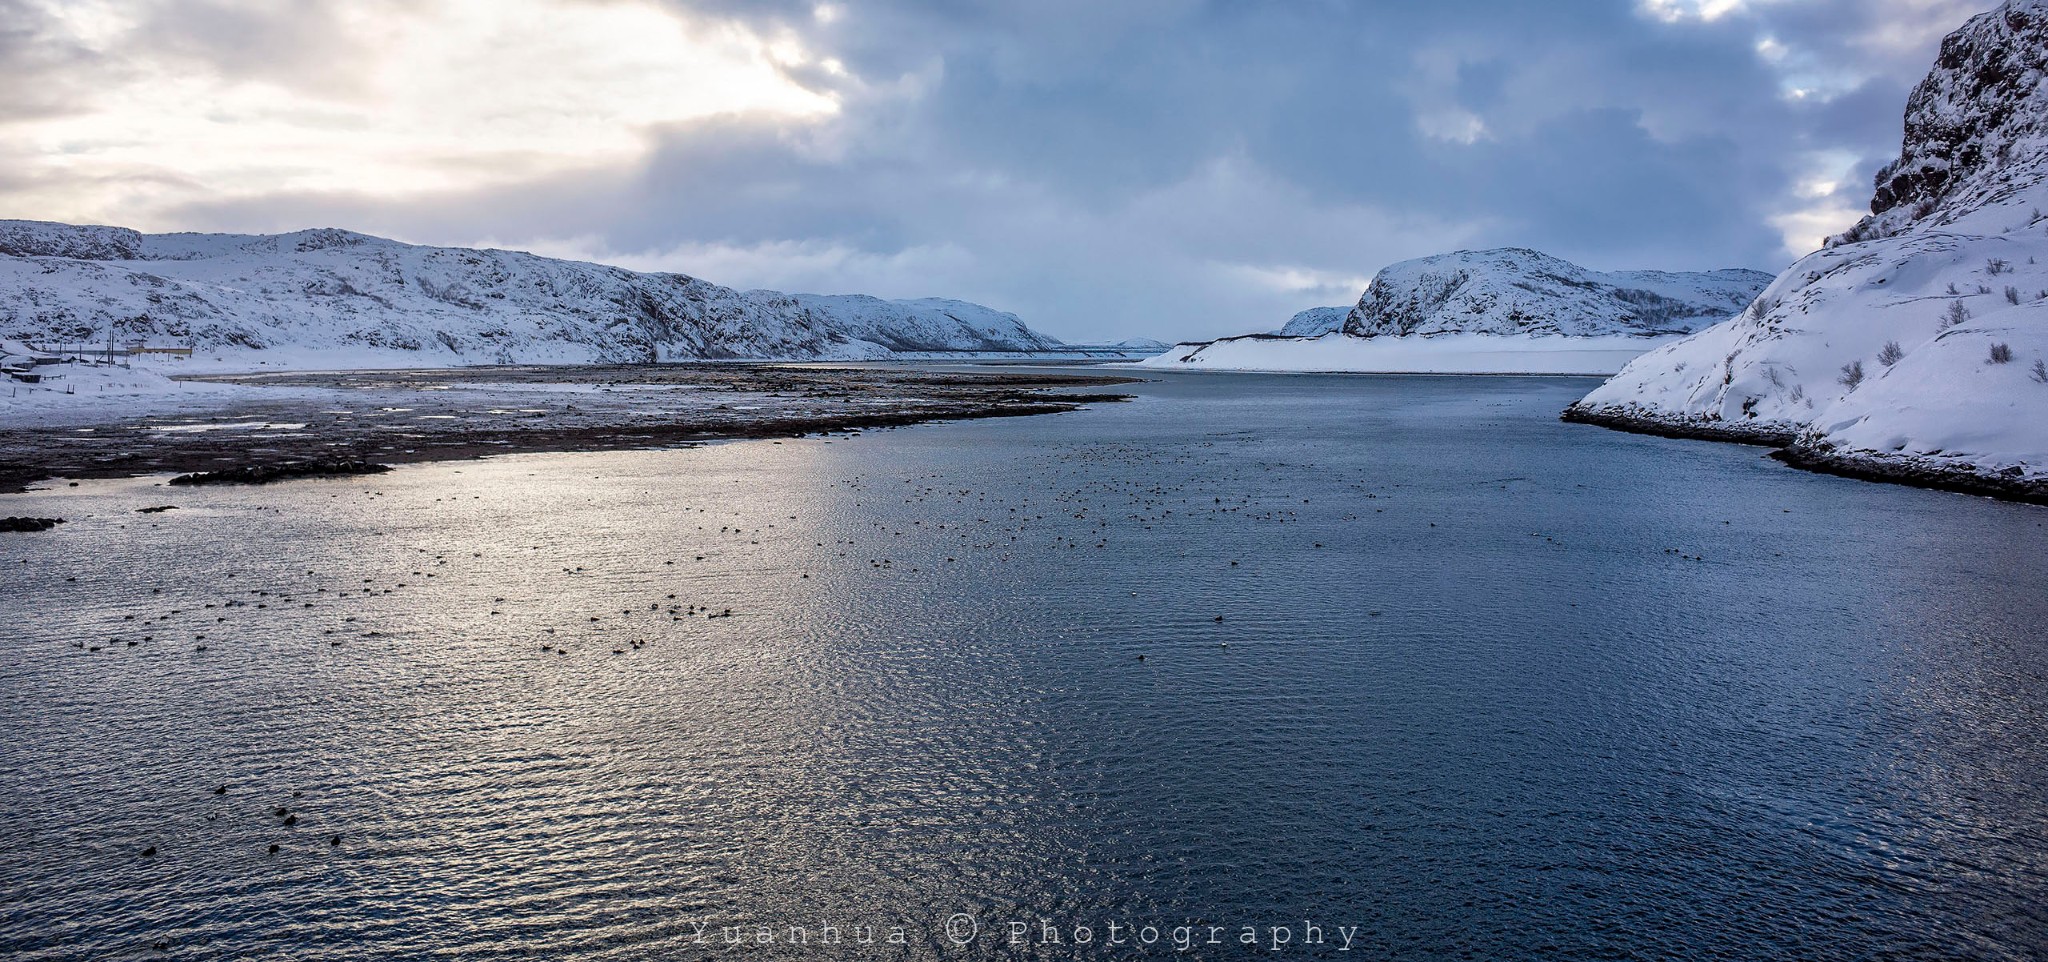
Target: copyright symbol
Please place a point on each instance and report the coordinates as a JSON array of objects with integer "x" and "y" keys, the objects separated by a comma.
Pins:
[{"x": 961, "y": 928}]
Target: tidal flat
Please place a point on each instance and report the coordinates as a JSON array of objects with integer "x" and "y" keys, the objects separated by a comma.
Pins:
[{"x": 409, "y": 416}]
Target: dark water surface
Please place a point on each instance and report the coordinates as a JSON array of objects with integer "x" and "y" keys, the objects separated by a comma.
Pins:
[{"x": 1484, "y": 685}]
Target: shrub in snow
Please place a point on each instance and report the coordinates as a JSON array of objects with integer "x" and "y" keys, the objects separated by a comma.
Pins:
[
  {"x": 2001, "y": 353},
  {"x": 2012, "y": 294},
  {"x": 2041, "y": 371},
  {"x": 1956, "y": 314},
  {"x": 1852, "y": 374},
  {"x": 1996, "y": 266},
  {"x": 1891, "y": 354}
]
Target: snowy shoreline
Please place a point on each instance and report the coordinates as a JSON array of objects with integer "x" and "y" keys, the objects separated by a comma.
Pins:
[
  {"x": 1809, "y": 453},
  {"x": 82, "y": 395}
]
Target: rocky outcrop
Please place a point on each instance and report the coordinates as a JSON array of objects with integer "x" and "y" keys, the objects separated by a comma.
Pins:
[
  {"x": 1974, "y": 126},
  {"x": 27, "y": 238},
  {"x": 283, "y": 471}
]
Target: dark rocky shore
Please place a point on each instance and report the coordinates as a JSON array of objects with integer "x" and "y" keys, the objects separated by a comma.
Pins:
[
  {"x": 1799, "y": 452},
  {"x": 293, "y": 424},
  {"x": 281, "y": 471}
]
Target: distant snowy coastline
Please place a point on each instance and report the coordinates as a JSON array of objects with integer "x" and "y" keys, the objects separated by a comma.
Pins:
[
  {"x": 1337, "y": 353},
  {"x": 160, "y": 305},
  {"x": 1508, "y": 311}
]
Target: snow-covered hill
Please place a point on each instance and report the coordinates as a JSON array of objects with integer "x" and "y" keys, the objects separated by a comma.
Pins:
[
  {"x": 1315, "y": 322},
  {"x": 1520, "y": 291},
  {"x": 1916, "y": 344},
  {"x": 337, "y": 298},
  {"x": 1510, "y": 311}
]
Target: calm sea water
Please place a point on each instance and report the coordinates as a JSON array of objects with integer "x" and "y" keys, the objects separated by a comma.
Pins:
[{"x": 1399, "y": 660}]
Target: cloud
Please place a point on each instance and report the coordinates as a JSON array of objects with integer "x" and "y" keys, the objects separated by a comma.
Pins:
[
  {"x": 49, "y": 71},
  {"x": 1677, "y": 11},
  {"x": 241, "y": 99},
  {"x": 797, "y": 266},
  {"x": 1164, "y": 167}
]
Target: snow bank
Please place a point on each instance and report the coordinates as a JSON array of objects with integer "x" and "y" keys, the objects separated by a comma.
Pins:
[{"x": 89, "y": 393}]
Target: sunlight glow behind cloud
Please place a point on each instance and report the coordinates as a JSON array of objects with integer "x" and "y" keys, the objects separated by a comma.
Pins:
[
  {"x": 436, "y": 95},
  {"x": 1673, "y": 11}
]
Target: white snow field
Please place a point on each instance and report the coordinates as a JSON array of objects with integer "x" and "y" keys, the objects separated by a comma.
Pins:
[
  {"x": 1914, "y": 346},
  {"x": 67, "y": 394}
]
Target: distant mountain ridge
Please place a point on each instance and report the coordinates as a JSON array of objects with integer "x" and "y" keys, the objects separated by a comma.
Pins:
[{"x": 328, "y": 290}]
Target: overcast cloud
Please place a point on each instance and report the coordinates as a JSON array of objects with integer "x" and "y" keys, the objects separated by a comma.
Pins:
[{"x": 1170, "y": 168}]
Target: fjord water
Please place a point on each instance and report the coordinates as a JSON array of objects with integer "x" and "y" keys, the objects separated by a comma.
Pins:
[{"x": 1399, "y": 656}]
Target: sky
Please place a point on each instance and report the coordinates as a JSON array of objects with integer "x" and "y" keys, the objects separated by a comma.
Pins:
[{"x": 1165, "y": 168}]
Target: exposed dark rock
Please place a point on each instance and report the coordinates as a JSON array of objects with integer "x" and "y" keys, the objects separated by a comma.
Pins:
[
  {"x": 267, "y": 473},
  {"x": 29, "y": 524},
  {"x": 1646, "y": 421},
  {"x": 682, "y": 405},
  {"x": 1919, "y": 473},
  {"x": 1806, "y": 454},
  {"x": 1977, "y": 111}
]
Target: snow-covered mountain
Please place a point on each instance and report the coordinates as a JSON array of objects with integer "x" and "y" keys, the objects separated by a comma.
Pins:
[
  {"x": 1916, "y": 344},
  {"x": 1521, "y": 291},
  {"x": 337, "y": 297},
  {"x": 1503, "y": 311},
  {"x": 1315, "y": 322}
]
